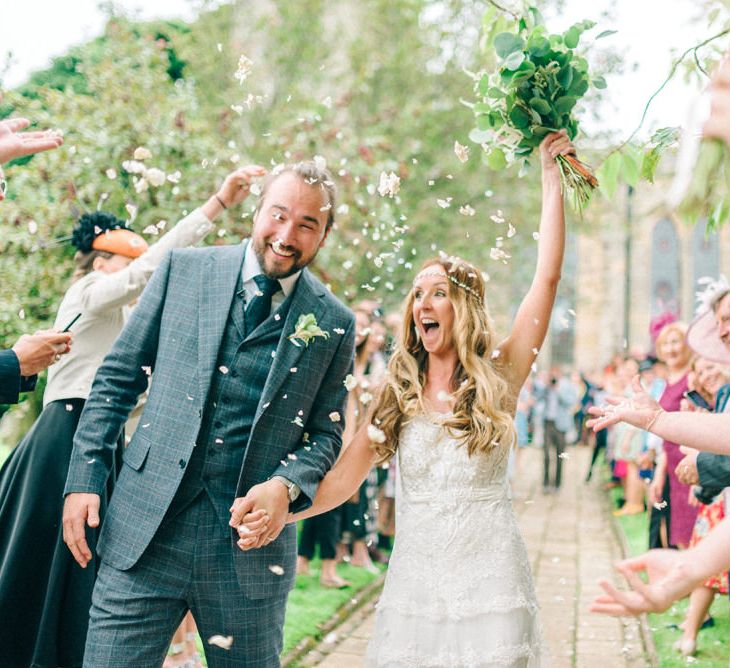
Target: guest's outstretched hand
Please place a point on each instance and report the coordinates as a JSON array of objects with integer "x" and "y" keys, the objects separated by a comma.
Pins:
[
  {"x": 17, "y": 144},
  {"x": 237, "y": 184},
  {"x": 639, "y": 410},
  {"x": 668, "y": 582}
]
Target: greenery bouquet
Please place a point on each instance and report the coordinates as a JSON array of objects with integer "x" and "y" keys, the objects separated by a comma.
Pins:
[{"x": 533, "y": 91}]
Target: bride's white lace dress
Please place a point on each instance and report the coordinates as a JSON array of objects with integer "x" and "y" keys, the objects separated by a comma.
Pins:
[{"x": 459, "y": 590}]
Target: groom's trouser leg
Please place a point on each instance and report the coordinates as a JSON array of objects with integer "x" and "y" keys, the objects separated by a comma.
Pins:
[
  {"x": 220, "y": 606},
  {"x": 134, "y": 613}
]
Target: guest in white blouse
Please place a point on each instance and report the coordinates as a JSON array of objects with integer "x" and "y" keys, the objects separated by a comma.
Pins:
[{"x": 44, "y": 594}]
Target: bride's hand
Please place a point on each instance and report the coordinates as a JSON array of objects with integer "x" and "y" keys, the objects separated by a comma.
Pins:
[
  {"x": 554, "y": 144},
  {"x": 251, "y": 527}
]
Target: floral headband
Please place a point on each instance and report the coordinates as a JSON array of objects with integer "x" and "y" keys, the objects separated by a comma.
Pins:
[{"x": 453, "y": 279}]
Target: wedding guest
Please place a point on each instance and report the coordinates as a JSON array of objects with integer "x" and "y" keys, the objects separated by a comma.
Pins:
[
  {"x": 559, "y": 403},
  {"x": 628, "y": 449},
  {"x": 673, "y": 350},
  {"x": 357, "y": 511},
  {"x": 40, "y": 582},
  {"x": 710, "y": 378}
]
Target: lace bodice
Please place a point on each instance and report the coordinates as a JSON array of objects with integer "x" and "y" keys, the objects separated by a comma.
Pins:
[
  {"x": 435, "y": 466},
  {"x": 459, "y": 590}
]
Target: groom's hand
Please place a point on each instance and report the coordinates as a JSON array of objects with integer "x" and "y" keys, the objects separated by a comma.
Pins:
[
  {"x": 272, "y": 497},
  {"x": 80, "y": 509}
]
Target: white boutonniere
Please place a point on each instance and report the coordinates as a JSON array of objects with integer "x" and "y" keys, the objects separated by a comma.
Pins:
[{"x": 306, "y": 329}]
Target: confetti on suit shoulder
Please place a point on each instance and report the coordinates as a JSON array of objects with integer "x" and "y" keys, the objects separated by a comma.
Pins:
[
  {"x": 293, "y": 370},
  {"x": 276, "y": 569},
  {"x": 224, "y": 642},
  {"x": 338, "y": 330},
  {"x": 69, "y": 407},
  {"x": 223, "y": 369},
  {"x": 335, "y": 416},
  {"x": 298, "y": 421},
  {"x": 91, "y": 461}
]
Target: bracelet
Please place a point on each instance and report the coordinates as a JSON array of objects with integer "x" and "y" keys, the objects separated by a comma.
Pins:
[
  {"x": 220, "y": 201},
  {"x": 657, "y": 413}
]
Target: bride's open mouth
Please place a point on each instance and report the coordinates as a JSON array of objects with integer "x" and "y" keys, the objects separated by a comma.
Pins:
[{"x": 430, "y": 328}]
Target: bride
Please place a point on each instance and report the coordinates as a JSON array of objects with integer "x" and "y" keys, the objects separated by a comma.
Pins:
[{"x": 458, "y": 591}]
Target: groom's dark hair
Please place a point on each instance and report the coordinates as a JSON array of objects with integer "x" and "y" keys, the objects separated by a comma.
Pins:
[{"x": 312, "y": 173}]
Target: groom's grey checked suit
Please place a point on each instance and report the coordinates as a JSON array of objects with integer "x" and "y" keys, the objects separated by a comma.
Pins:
[{"x": 227, "y": 409}]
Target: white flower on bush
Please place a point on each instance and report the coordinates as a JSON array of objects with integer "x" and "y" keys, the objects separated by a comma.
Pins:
[
  {"x": 142, "y": 153},
  {"x": 156, "y": 177}
]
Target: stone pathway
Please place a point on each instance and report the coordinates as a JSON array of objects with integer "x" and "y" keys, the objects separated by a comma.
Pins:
[{"x": 571, "y": 544}]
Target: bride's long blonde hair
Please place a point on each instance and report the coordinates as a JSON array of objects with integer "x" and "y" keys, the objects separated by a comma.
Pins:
[{"x": 483, "y": 404}]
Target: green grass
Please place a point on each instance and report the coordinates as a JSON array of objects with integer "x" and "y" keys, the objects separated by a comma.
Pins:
[
  {"x": 310, "y": 605},
  {"x": 713, "y": 644}
]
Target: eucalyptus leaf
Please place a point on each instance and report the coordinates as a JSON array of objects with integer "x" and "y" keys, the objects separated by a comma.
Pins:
[
  {"x": 606, "y": 33},
  {"x": 571, "y": 37},
  {"x": 519, "y": 118},
  {"x": 514, "y": 60},
  {"x": 540, "y": 106},
  {"x": 599, "y": 82},
  {"x": 565, "y": 103},
  {"x": 496, "y": 160},
  {"x": 506, "y": 43},
  {"x": 479, "y": 136}
]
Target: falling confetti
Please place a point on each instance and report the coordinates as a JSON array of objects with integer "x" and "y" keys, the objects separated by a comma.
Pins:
[
  {"x": 224, "y": 642},
  {"x": 462, "y": 152},
  {"x": 350, "y": 382},
  {"x": 389, "y": 184},
  {"x": 376, "y": 435},
  {"x": 244, "y": 69},
  {"x": 466, "y": 210}
]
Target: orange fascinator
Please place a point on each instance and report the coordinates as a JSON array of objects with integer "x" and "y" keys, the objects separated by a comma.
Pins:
[{"x": 120, "y": 242}]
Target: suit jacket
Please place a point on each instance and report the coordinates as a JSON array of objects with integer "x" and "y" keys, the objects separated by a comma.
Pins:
[
  {"x": 11, "y": 382},
  {"x": 175, "y": 332}
]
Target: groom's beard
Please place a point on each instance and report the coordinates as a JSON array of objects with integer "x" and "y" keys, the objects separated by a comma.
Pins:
[{"x": 268, "y": 265}]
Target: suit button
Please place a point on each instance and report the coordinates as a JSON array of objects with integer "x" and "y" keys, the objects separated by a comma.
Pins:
[{"x": 182, "y": 463}]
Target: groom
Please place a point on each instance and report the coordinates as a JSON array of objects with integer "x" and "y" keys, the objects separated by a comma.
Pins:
[{"x": 239, "y": 405}]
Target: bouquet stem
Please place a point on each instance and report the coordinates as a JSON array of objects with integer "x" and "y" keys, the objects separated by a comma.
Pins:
[{"x": 577, "y": 179}]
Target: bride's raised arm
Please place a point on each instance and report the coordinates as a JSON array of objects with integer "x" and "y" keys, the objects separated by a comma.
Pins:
[{"x": 530, "y": 326}]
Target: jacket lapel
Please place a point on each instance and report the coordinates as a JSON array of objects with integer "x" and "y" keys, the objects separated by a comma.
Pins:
[
  {"x": 218, "y": 282},
  {"x": 307, "y": 298}
]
